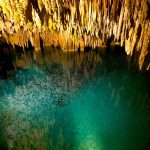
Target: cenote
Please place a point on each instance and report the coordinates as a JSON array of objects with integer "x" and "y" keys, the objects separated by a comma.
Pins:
[{"x": 54, "y": 100}]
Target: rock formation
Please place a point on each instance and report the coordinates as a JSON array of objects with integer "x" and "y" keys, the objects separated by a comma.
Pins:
[{"x": 79, "y": 23}]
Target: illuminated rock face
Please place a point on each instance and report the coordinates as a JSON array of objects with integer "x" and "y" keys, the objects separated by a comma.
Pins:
[{"x": 74, "y": 23}]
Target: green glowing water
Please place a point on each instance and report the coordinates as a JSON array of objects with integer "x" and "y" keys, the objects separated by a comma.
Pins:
[{"x": 68, "y": 101}]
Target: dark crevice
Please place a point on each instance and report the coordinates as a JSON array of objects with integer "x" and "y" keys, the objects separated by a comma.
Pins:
[
  {"x": 87, "y": 48},
  {"x": 139, "y": 31},
  {"x": 41, "y": 44},
  {"x": 29, "y": 12},
  {"x": 119, "y": 8},
  {"x": 148, "y": 11}
]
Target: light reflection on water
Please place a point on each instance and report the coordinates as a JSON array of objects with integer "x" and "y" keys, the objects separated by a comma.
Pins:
[{"x": 74, "y": 101}]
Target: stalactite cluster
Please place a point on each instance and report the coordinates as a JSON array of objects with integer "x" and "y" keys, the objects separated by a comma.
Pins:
[{"x": 74, "y": 23}]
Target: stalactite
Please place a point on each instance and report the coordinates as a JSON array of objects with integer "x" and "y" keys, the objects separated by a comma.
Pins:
[{"x": 78, "y": 22}]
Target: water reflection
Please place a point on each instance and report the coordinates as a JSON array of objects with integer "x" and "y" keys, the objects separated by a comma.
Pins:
[{"x": 55, "y": 100}]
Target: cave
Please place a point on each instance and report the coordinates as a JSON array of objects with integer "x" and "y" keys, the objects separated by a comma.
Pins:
[{"x": 74, "y": 74}]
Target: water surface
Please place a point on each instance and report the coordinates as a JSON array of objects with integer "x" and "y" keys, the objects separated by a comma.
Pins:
[{"x": 73, "y": 101}]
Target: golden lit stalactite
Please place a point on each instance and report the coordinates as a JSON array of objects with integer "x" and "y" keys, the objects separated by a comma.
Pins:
[
  {"x": 145, "y": 46},
  {"x": 5, "y": 8},
  {"x": 36, "y": 19},
  {"x": 40, "y": 4}
]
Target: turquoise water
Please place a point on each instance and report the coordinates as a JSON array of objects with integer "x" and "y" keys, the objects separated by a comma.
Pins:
[{"x": 72, "y": 101}]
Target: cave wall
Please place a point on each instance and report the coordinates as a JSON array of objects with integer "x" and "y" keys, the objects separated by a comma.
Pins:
[{"x": 74, "y": 23}]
